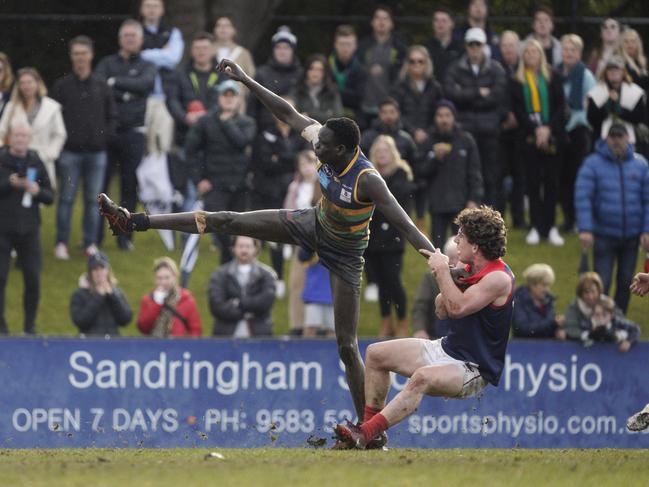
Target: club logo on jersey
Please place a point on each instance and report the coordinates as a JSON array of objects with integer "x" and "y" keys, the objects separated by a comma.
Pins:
[{"x": 346, "y": 194}]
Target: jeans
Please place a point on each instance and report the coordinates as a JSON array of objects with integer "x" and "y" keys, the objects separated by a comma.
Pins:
[
  {"x": 625, "y": 250},
  {"x": 73, "y": 166}
]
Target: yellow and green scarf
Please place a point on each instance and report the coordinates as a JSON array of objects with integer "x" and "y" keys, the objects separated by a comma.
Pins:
[{"x": 535, "y": 90}]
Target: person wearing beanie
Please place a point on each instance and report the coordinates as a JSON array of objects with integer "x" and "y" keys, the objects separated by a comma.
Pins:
[
  {"x": 98, "y": 307},
  {"x": 451, "y": 168},
  {"x": 280, "y": 74}
]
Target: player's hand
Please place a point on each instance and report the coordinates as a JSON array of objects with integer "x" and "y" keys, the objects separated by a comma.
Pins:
[
  {"x": 440, "y": 308},
  {"x": 640, "y": 284},
  {"x": 233, "y": 70},
  {"x": 437, "y": 261}
]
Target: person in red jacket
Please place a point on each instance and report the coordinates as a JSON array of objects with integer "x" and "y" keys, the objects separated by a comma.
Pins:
[{"x": 168, "y": 310}]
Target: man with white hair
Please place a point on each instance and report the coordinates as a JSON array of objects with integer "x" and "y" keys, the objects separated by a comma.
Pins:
[
  {"x": 131, "y": 79},
  {"x": 24, "y": 185}
]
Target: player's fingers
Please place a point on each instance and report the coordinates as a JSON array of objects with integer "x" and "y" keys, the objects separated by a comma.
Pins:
[{"x": 425, "y": 252}]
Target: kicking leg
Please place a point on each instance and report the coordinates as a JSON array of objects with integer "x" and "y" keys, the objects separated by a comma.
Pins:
[{"x": 346, "y": 300}]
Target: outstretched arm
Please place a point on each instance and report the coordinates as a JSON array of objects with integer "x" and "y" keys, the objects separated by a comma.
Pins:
[
  {"x": 372, "y": 187},
  {"x": 276, "y": 104}
]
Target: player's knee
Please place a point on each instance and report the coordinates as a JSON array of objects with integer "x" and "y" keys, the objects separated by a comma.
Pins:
[
  {"x": 421, "y": 381},
  {"x": 375, "y": 355}
]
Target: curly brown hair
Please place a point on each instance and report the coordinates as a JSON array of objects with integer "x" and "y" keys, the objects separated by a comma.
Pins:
[{"x": 485, "y": 228}]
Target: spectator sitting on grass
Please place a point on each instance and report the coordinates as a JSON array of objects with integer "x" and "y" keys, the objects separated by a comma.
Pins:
[
  {"x": 168, "y": 310},
  {"x": 534, "y": 312},
  {"x": 98, "y": 307},
  {"x": 606, "y": 327}
]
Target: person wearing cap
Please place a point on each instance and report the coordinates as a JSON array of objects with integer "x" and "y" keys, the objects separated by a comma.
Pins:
[
  {"x": 476, "y": 84},
  {"x": 217, "y": 154},
  {"x": 539, "y": 106},
  {"x": 280, "y": 74},
  {"x": 478, "y": 17},
  {"x": 451, "y": 166},
  {"x": 21, "y": 196},
  {"x": 382, "y": 53},
  {"x": 615, "y": 98},
  {"x": 612, "y": 205},
  {"x": 191, "y": 92},
  {"x": 98, "y": 307}
]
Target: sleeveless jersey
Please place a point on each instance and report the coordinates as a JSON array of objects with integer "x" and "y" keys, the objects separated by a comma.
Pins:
[{"x": 481, "y": 337}]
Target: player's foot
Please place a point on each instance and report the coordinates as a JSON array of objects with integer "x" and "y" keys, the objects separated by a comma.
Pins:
[
  {"x": 119, "y": 219},
  {"x": 639, "y": 421},
  {"x": 351, "y": 434},
  {"x": 341, "y": 445},
  {"x": 379, "y": 442}
]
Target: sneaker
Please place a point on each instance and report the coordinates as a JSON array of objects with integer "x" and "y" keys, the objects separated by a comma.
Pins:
[
  {"x": 380, "y": 442},
  {"x": 280, "y": 289},
  {"x": 61, "y": 251},
  {"x": 351, "y": 434},
  {"x": 639, "y": 421},
  {"x": 119, "y": 219},
  {"x": 371, "y": 293},
  {"x": 533, "y": 237},
  {"x": 90, "y": 250},
  {"x": 555, "y": 238}
]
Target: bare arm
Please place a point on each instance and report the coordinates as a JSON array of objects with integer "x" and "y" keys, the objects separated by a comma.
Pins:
[
  {"x": 276, "y": 104},
  {"x": 372, "y": 187}
]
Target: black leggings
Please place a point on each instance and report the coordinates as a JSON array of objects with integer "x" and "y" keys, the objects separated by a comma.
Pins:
[{"x": 386, "y": 266}]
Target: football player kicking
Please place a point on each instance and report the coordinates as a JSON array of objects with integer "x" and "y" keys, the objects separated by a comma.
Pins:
[
  {"x": 472, "y": 354},
  {"x": 337, "y": 228},
  {"x": 640, "y": 420}
]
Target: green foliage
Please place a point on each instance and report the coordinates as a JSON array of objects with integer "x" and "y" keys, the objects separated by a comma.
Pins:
[{"x": 135, "y": 275}]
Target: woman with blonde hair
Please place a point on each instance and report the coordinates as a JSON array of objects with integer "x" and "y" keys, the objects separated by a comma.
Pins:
[
  {"x": 384, "y": 255},
  {"x": 635, "y": 59},
  {"x": 534, "y": 313},
  {"x": 168, "y": 310},
  {"x": 538, "y": 103},
  {"x": 29, "y": 103},
  {"x": 6, "y": 81}
]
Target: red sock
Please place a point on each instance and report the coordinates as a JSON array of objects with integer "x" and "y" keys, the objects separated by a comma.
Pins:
[
  {"x": 377, "y": 425},
  {"x": 370, "y": 412}
]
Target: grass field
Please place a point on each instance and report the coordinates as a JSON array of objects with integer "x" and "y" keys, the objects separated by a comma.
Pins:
[
  {"x": 133, "y": 270},
  {"x": 270, "y": 467}
]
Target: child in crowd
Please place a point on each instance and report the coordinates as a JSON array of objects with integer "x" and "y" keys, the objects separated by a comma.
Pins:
[{"x": 606, "y": 327}]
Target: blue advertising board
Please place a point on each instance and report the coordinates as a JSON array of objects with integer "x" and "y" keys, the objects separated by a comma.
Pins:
[{"x": 60, "y": 393}]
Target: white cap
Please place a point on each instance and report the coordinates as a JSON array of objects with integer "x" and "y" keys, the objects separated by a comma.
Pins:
[{"x": 475, "y": 34}]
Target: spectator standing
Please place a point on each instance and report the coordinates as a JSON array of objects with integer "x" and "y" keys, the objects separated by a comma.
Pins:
[
  {"x": 168, "y": 310},
  {"x": 382, "y": 53},
  {"x": 242, "y": 293},
  {"x": 452, "y": 169},
  {"x": 612, "y": 204},
  {"x": 318, "y": 300},
  {"x": 577, "y": 82},
  {"x": 443, "y": 48},
  {"x": 347, "y": 70},
  {"x": 635, "y": 59},
  {"x": 316, "y": 95},
  {"x": 131, "y": 79},
  {"x": 615, "y": 98},
  {"x": 163, "y": 47},
  {"x": 539, "y": 105},
  {"x": 90, "y": 117},
  {"x": 477, "y": 84},
  {"x": 606, "y": 327},
  {"x": 30, "y": 104},
  {"x": 225, "y": 47},
  {"x": 514, "y": 167},
  {"x": 24, "y": 186},
  {"x": 273, "y": 169},
  {"x": 191, "y": 92},
  {"x": 534, "y": 313},
  {"x": 280, "y": 74},
  {"x": 98, "y": 307},
  {"x": 542, "y": 28},
  {"x": 303, "y": 192},
  {"x": 610, "y": 34},
  {"x": 6, "y": 81},
  {"x": 387, "y": 245},
  {"x": 217, "y": 153},
  {"x": 478, "y": 17},
  {"x": 424, "y": 320}
]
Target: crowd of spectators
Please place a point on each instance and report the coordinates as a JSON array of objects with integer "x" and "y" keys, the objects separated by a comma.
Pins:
[{"x": 470, "y": 117}]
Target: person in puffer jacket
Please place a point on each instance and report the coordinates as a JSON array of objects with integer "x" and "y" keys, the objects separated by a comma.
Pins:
[{"x": 612, "y": 205}]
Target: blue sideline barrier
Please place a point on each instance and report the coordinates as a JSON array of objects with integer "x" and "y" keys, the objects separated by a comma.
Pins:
[{"x": 60, "y": 393}]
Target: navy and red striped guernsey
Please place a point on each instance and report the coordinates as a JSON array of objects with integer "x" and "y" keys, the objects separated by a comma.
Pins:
[{"x": 481, "y": 337}]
